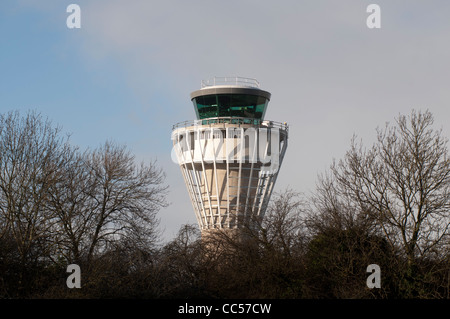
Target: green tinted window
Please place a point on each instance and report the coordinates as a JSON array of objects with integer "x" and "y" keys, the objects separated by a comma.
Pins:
[{"x": 230, "y": 105}]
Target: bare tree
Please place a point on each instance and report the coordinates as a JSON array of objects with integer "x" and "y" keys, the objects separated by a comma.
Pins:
[
  {"x": 184, "y": 265},
  {"x": 105, "y": 198},
  {"x": 32, "y": 153},
  {"x": 266, "y": 259},
  {"x": 402, "y": 183},
  {"x": 282, "y": 227},
  {"x": 59, "y": 205},
  {"x": 71, "y": 203},
  {"x": 343, "y": 241}
]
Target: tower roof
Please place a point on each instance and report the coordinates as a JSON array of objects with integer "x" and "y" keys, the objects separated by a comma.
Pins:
[
  {"x": 230, "y": 97},
  {"x": 230, "y": 85}
]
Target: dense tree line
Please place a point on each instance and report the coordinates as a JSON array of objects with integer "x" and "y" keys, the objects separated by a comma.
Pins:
[{"x": 386, "y": 205}]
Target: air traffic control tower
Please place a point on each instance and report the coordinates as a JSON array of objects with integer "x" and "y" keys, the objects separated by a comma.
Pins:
[{"x": 230, "y": 155}]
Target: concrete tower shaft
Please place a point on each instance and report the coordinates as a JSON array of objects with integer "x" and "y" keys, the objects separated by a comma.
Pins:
[{"x": 230, "y": 156}]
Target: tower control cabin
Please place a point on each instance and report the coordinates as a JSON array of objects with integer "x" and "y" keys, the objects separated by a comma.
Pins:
[{"x": 230, "y": 155}]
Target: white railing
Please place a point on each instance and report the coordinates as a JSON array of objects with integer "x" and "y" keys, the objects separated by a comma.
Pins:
[
  {"x": 230, "y": 80},
  {"x": 232, "y": 120}
]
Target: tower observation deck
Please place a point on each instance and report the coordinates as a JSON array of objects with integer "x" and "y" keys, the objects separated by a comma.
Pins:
[{"x": 230, "y": 155}]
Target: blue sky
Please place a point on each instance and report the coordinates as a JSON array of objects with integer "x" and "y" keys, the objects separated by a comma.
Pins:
[{"x": 127, "y": 73}]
